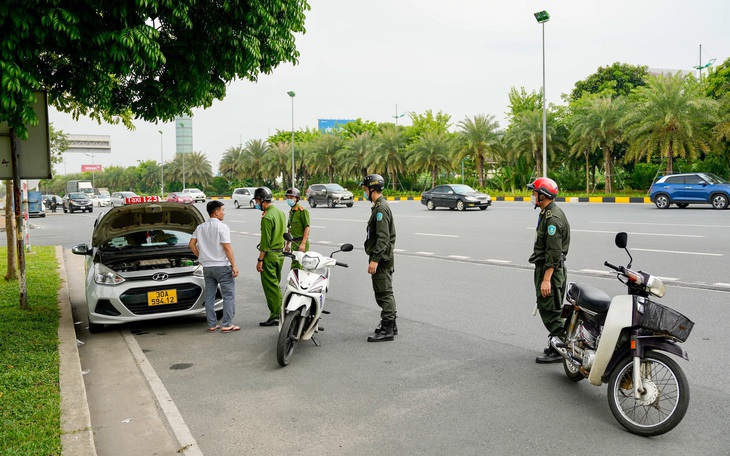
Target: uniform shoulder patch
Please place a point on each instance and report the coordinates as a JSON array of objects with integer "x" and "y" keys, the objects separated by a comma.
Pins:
[
  {"x": 548, "y": 213},
  {"x": 551, "y": 229},
  {"x": 379, "y": 217}
]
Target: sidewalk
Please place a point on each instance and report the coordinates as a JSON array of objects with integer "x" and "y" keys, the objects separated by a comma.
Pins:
[{"x": 112, "y": 402}]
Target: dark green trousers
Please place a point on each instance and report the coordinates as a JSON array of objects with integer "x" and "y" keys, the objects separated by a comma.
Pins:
[
  {"x": 383, "y": 288},
  {"x": 271, "y": 282},
  {"x": 550, "y": 307}
]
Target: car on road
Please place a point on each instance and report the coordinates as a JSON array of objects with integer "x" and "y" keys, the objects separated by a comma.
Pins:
[
  {"x": 329, "y": 194},
  {"x": 77, "y": 201},
  {"x": 196, "y": 194},
  {"x": 117, "y": 198},
  {"x": 179, "y": 197},
  {"x": 102, "y": 199},
  {"x": 455, "y": 196},
  {"x": 139, "y": 266},
  {"x": 49, "y": 199},
  {"x": 243, "y": 197},
  {"x": 690, "y": 188}
]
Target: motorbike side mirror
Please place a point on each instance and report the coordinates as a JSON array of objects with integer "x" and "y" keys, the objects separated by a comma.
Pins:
[
  {"x": 346, "y": 247},
  {"x": 621, "y": 240},
  {"x": 288, "y": 237}
]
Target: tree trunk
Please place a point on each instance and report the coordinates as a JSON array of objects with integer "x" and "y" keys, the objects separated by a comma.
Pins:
[
  {"x": 607, "y": 164},
  {"x": 480, "y": 168},
  {"x": 19, "y": 241},
  {"x": 433, "y": 177},
  {"x": 670, "y": 157},
  {"x": 10, "y": 232},
  {"x": 538, "y": 161},
  {"x": 588, "y": 173}
]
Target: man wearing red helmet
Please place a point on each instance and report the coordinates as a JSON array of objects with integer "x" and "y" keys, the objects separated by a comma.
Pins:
[{"x": 552, "y": 241}]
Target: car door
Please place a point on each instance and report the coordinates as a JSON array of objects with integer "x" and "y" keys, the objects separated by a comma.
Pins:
[
  {"x": 674, "y": 187},
  {"x": 695, "y": 188},
  {"x": 449, "y": 197},
  {"x": 437, "y": 196},
  {"x": 319, "y": 193}
]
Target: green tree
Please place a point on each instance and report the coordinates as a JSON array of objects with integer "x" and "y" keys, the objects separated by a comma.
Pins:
[
  {"x": 597, "y": 126},
  {"x": 422, "y": 123},
  {"x": 616, "y": 80},
  {"x": 430, "y": 153},
  {"x": 324, "y": 151},
  {"x": 59, "y": 144},
  {"x": 670, "y": 118},
  {"x": 353, "y": 156},
  {"x": 389, "y": 153},
  {"x": 151, "y": 59},
  {"x": 479, "y": 140},
  {"x": 524, "y": 137},
  {"x": 357, "y": 127},
  {"x": 254, "y": 158},
  {"x": 278, "y": 162},
  {"x": 520, "y": 101},
  {"x": 230, "y": 163}
]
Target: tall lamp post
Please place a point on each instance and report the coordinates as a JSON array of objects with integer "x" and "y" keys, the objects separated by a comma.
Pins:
[
  {"x": 162, "y": 168},
  {"x": 182, "y": 125},
  {"x": 542, "y": 17},
  {"x": 292, "y": 95},
  {"x": 396, "y": 116}
]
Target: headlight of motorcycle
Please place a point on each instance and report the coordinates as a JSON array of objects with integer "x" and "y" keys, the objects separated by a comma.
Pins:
[
  {"x": 198, "y": 271},
  {"x": 656, "y": 286},
  {"x": 105, "y": 276},
  {"x": 310, "y": 262}
]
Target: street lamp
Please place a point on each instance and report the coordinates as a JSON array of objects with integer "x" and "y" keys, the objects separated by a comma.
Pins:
[
  {"x": 396, "y": 116},
  {"x": 162, "y": 168},
  {"x": 292, "y": 95},
  {"x": 542, "y": 17},
  {"x": 182, "y": 125}
]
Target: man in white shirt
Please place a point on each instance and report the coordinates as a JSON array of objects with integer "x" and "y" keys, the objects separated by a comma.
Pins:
[{"x": 211, "y": 243}]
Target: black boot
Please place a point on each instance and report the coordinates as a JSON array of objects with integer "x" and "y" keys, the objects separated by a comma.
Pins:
[
  {"x": 395, "y": 328},
  {"x": 384, "y": 333}
]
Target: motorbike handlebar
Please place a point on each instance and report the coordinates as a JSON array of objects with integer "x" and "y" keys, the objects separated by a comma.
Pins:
[
  {"x": 344, "y": 265},
  {"x": 614, "y": 267}
]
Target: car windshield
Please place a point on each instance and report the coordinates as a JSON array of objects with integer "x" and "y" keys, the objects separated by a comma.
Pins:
[
  {"x": 713, "y": 179},
  {"x": 460, "y": 188},
  {"x": 145, "y": 239},
  {"x": 103, "y": 194},
  {"x": 127, "y": 194},
  {"x": 335, "y": 188},
  {"x": 80, "y": 196}
]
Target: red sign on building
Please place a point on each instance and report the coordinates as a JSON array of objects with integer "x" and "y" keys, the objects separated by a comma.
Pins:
[{"x": 92, "y": 168}]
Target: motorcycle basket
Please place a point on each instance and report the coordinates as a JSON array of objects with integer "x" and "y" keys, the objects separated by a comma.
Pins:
[{"x": 663, "y": 320}]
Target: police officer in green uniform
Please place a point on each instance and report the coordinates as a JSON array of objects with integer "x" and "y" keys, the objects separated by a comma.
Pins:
[
  {"x": 298, "y": 225},
  {"x": 271, "y": 259},
  {"x": 379, "y": 246},
  {"x": 552, "y": 241}
]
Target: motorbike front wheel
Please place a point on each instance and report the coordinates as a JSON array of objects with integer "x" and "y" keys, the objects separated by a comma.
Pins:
[
  {"x": 287, "y": 338},
  {"x": 662, "y": 405}
]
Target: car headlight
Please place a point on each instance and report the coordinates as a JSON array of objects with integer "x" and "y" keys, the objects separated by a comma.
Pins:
[
  {"x": 309, "y": 262},
  {"x": 471, "y": 198},
  {"x": 198, "y": 271},
  {"x": 105, "y": 276}
]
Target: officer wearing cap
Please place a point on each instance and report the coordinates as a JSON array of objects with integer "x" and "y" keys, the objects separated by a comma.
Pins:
[
  {"x": 271, "y": 259},
  {"x": 379, "y": 246},
  {"x": 298, "y": 225},
  {"x": 552, "y": 241}
]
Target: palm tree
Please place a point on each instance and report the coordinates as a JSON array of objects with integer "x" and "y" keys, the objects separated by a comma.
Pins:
[
  {"x": 389, "y": 153},
  {"x": 670, "y": 118},
  {"x": 112, "y": 178},
  {"x": 254, "y": 159},
  {"x": 524, "y": 137},
  {"x": 278, "y": 162},
  {"x": 352, "y": 157},
  {"x": 324, "y": 151},
  {"x": 479, "y": 141},
  {"x": 198, "y": 169},
  {"x": 430, "y": 153},
  {"x": 596, "y": 126},
  {"x": 230, "y": 163}
]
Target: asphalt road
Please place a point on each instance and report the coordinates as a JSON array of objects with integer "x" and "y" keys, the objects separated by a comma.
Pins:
[{"x": 460, "y": 378}]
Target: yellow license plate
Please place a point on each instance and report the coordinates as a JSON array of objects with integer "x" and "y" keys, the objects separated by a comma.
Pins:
[{"x": 161, "y": 297}]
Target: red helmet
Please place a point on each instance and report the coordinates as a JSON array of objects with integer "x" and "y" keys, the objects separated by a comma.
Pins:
[{"x": 544, "y": 186}]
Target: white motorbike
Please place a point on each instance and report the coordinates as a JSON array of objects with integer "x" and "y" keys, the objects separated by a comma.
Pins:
[
  {"x": 304, "y": 299},
  {"x": 618, "y": 341}
]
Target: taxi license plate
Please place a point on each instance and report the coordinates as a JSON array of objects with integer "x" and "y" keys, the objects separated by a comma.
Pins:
[{"x": 161, "y": 297}]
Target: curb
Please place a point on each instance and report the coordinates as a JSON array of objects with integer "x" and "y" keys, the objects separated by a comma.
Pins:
[{"x": 77, "y": 436}]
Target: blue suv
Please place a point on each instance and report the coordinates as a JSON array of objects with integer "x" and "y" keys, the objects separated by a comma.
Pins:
[{"x": 691, "y": 188}]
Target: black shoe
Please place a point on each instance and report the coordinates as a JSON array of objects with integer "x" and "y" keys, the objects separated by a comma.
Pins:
[
  {"x": 551, "y": 357},
  {"x": 384, "y": 333},
  {"x": 269, "y": 322},
  {"x": 395, "y": 328}
]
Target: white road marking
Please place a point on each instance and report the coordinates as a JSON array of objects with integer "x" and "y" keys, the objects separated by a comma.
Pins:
[
  {"x": 425, "y": 253},
  {"x": 438, "y": 235},
  {"x": 664, "y": 224},
  {"x": 316, "y": 226},
  {"x": 498, "y": 261},
  {"x": 597, "y": 271},
  {"x": 720, "y": 284},
  {"x": 399, "y": 250},
  {"x": 343, "y": 220},
  {"x": 679, "y": 252},
  {"x": 667, "y": 279},
  {"x": 459, "y": 257},
  {"x": 632, "y": 233}
]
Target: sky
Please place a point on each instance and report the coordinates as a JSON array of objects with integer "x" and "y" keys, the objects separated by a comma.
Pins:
[{"x": 365, "y": 59}]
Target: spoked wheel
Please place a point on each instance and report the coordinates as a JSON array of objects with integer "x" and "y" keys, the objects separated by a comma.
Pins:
[
  {"x": 235, "y": 204},
  {"x": 287, "y": 338},
  {"x": 662, "y": 405},
  {"x": 719, "y": 201},
  {"x": 430, "y": 205},
  {"x": 573, "y": 372},
  {"x": 662, "y": 201},
  {"x": 460, "y": 205}
]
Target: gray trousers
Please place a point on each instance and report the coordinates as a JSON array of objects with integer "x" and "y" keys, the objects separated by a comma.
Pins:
[
  {"x": 223, "y": 276},
  {"x": 383, "y": 288}
]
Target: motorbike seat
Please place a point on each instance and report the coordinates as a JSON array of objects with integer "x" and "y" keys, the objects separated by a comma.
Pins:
[{"x": 589, "y": 298}]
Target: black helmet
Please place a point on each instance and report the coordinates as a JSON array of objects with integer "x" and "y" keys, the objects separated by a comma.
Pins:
[
  {"x": 293, "y": 191},
  {"x": 263, "y": 194},
  {"x": 373, "y": 181},
  {"x": 544, "y": 186}
]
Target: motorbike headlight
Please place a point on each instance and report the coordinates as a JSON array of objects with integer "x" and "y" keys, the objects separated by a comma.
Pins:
[
  {"x": 309, "y": 262},
  {"x": 656, "y": 287},
  {"x": 105, "y": 276},
  {"x": 198, "y": 271}
]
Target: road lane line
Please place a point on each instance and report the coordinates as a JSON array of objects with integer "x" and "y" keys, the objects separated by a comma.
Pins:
[
  {"x": 667, "y": 279},
  {"x": 597, "y": 271},
  {"x": 720, "y": 284},
  {"x": 679, "y": 252},
  {"x": 425, "y": 253},
  {"x": 459, "y": 257},
  {"x": 632, "y": 233},
  {"x": 498, "y": 261},
  {"x": 438, "y": 235},
  {"x": 664, "y": 224}
]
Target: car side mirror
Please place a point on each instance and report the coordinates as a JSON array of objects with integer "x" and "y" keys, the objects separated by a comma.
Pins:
[{"x": 81, "y": 249}]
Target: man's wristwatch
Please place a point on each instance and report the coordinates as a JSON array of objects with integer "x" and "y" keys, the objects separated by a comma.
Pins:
[{"x": 260, "y": 260}]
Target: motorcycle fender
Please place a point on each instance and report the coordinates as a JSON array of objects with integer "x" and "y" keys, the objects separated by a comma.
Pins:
[
  {"x": 647, "y": 344},
  {"x": 296, "y": 301},
  {"x": 619, "y": 317}
]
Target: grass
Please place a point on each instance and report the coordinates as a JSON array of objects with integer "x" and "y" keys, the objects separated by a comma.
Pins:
[{"x": 30, "y": 411}]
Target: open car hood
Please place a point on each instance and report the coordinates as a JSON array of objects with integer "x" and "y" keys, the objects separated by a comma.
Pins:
[{"x": 130, "y": 218}]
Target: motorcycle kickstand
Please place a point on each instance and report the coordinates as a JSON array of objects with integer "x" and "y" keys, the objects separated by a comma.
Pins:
[{"x": 315, "y": 342}]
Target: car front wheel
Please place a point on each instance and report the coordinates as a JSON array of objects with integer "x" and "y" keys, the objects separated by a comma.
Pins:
[
  {"x": 430, "y": 205},
  {"x": 460, "y": 205},
  {"x": 719, "y": 201},
  {"x": 236, "y": 205},
  {"x": 662, "y": 201}
]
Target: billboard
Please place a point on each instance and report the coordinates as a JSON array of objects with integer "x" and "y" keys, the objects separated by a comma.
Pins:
[
  {"x": 35, "y": 152},
  {"x": 332, "y": 125},
  {"x": 92, "y": 168}
]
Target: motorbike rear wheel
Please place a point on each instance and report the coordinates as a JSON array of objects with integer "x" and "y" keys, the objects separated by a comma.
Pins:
[
  {"x": 287, "y": 338},
  {"x": 664, "y": 402}
]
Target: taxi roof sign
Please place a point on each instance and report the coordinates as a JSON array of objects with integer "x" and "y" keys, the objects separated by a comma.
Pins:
[{"x": 141, "y": 199}]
